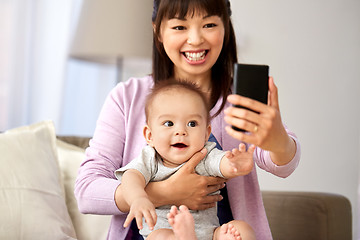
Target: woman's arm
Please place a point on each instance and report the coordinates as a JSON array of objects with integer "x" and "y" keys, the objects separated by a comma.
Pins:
[{"x": 96, "y": 184}]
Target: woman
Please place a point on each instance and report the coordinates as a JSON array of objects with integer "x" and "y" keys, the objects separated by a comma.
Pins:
[{"x": 193, "y": 39}]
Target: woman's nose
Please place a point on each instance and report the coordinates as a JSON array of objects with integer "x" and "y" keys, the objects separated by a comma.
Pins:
[{"x": 195, "y": 37}]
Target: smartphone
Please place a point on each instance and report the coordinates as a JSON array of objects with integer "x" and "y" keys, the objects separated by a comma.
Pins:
[{"x": 251, "y": 81}]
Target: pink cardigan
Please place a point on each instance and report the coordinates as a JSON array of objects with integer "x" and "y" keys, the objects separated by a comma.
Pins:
[{"x": 118, "y": 139}]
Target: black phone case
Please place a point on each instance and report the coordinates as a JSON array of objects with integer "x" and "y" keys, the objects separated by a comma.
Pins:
[{"x": 251, "y": 81}]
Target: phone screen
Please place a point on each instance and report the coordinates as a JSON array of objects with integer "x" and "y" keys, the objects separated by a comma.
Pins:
[{"x": 251, "y": 81}]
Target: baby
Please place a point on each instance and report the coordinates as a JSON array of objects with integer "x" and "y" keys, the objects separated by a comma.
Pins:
[{"x": 178, "y": 126}]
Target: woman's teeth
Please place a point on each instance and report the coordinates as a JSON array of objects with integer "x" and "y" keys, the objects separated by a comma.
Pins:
[{"x": 195, "y": 56}]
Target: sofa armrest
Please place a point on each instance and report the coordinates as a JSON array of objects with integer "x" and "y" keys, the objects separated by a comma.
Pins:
[
  {"x": 82, "y": 142},
  {"x": 307, "y": 215}
]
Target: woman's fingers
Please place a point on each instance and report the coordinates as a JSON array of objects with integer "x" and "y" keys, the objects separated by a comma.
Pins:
[
  {"x": 244, "y": 118},
  {"x": 273, "y": 96},
  {"x": 214, "y": 188},
  {"x": 218, "y": 181},
  {"x": 241, "y": 136},
  {"x": 209, "y": 202},
  {"x": 245, "y": 123},
  {"x": 248, "y": 103},
  {"x": 192, "y": 189},
  {"x": 190, "y": 165}
]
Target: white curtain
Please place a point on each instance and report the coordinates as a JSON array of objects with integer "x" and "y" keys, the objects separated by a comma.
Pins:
[
  {"x": 39, "y": 81},
  {"x": 34, "y": 39}
]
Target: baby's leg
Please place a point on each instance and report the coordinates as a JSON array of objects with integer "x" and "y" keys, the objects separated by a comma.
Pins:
[
  {"x": 234, "y": 230},
  {"x": 182, "y": 223}
]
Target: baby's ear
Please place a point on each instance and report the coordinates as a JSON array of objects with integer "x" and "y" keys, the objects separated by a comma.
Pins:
[
  {"x": 147, "y": 135},
  {"x": 208, "y": 132}
]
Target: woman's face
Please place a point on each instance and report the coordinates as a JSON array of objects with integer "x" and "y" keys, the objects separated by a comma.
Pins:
[{"x": 193, "y": 44}]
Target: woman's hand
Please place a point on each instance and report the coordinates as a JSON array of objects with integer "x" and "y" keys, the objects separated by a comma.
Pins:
[
  {"x": 186, "y": 187},
  {"x": 264, "y": 128}
]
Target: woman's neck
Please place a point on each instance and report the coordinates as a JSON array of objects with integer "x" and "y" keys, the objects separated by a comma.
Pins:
[{"x": 203, "y": 81}]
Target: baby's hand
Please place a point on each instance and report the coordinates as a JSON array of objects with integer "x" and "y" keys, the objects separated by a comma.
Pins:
[
  {"x": 142, "y": 207},
  {"x": 240, "y": 160}
]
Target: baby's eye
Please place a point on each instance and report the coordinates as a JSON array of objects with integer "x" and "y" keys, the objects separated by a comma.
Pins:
[
  {"x": 168, "y": 123},
  {"x": 192, "y": 124}
]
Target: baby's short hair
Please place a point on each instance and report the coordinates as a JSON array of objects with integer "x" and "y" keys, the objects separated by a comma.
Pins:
[{"x": 173, "y": 84}]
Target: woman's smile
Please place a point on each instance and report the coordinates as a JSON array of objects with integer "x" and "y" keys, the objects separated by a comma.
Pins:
[{"x": 195, "y": 57}]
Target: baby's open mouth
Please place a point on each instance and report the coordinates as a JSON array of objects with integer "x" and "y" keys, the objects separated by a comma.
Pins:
[
  {"x": 179, "y": 145},
  {"x": 196, "y": 56}
]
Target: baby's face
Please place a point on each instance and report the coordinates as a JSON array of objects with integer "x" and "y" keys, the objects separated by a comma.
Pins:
[{"x": 177, "y": 126}]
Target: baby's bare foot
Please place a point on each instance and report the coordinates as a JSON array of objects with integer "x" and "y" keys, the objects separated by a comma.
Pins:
[
  {"x": 182, "y": 223},
  {"x": 229, "y": 232}
]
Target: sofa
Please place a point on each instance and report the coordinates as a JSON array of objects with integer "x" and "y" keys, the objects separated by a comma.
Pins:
[{"x": 38, "y": 171}]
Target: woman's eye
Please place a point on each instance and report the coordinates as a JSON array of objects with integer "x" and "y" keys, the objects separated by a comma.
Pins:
[
  {"x": 179, "y": 28},
  {"x": 210, "y": 25},
  {"x": 192, "y": 124},
  {"x": 169, "y": 124}
]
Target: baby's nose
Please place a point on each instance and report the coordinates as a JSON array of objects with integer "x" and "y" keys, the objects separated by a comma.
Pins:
[{"x": 180, "y": 132}]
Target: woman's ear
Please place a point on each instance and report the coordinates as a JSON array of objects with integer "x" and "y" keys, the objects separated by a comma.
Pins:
[
  {"x": 148, "y": 135},
  {"x": 155, "y": 34}
]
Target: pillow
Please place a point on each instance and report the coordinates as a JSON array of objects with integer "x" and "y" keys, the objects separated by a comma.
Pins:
[
  {"x": 32, "y": 203},
  {"x": 87, "y": 226}
]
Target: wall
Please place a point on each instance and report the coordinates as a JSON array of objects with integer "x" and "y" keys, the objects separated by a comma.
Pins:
[{"x": 313, "y": 49}]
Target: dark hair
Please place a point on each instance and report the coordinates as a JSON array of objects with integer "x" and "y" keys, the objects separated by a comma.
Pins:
[
  {"x": 172, "y": 84},
  {"x": 221, "y": 74}
]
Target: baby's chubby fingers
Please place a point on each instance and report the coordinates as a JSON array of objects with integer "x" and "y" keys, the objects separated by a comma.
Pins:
[
  {"x": 251, "y": 149},
  {"x": 235, "y": 151},
  {"x": 150, "y": 218},
  {"x": 242, "y": 147},
  {"x": 154, "y": 216},
  {"x": 138, "y": 219},
  {"x": 128, "y": 220},
  {"x": 229, "y": 154}
]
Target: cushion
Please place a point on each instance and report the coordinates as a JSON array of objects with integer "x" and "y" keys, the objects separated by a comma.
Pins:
[
  {"x": 87, "y": 226},
  {"x": 32, "y": 203}
]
